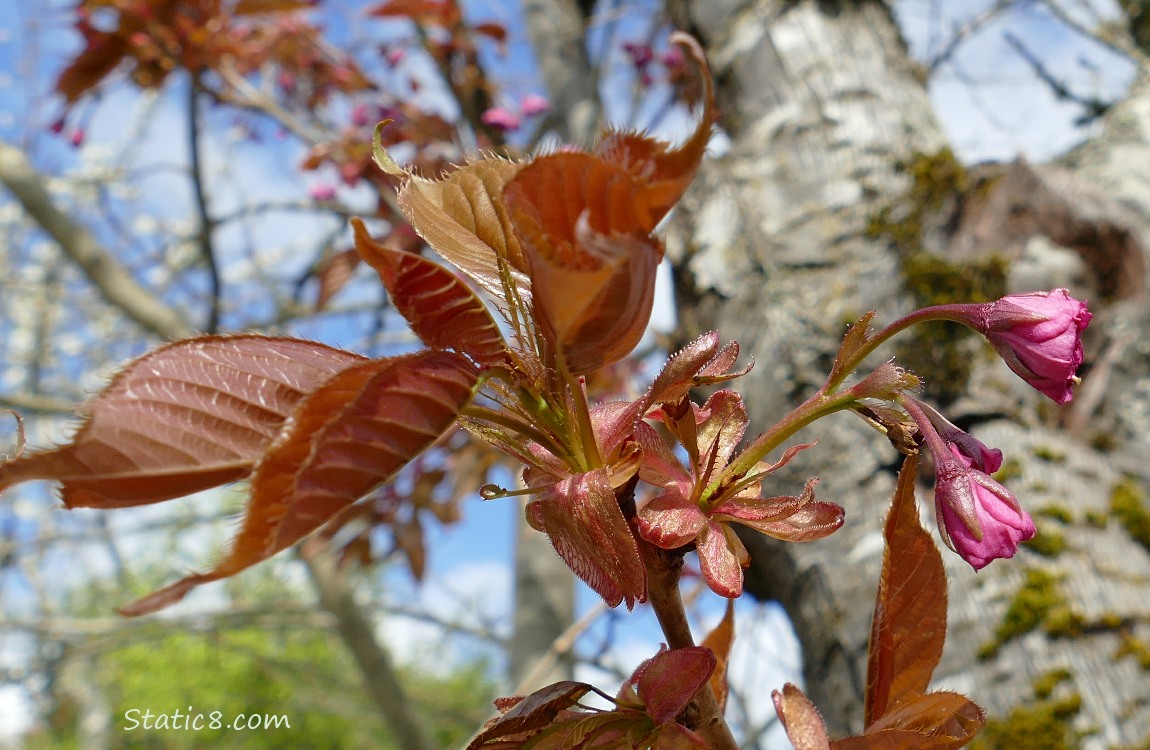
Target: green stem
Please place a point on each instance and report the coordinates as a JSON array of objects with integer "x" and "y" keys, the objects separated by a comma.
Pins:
[
  {"x": 590, "y": 456},
  {"x": 815, "y": 407},
  {"x": 519, "y": 427}
]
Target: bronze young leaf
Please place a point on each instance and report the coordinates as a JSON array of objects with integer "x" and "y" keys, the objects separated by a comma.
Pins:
[
  {"x": 185, "y": 417},
  {"x": 346, "y": 438}
]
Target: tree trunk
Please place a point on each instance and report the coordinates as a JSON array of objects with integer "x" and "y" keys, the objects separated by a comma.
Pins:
[{"x": 772, "y": 248}]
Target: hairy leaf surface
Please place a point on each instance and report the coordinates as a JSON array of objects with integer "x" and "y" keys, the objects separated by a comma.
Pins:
[
  {"x": 185, "y": 417},
  {"x": 345, "y": 439},
  {"x": 581, "y": 516},
  {"x": 585, "y": 234},
  {"x": 800, "y": 718},
  {"x": 463, "y": 218}
]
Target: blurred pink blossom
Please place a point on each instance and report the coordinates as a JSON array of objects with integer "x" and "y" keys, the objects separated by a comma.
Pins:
[
  {"x": 533, "y": 104},
  {"x": 500, "y": 118}
]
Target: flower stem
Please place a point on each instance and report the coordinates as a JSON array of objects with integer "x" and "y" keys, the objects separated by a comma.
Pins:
[
  {"x": 958, "y": 313},
  {"x": 663, "y": 570},
  {"x": 815, "y": 407}
]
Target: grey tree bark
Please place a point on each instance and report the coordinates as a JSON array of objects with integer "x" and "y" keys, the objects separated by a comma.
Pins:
[{"x": 771, "y": 248}]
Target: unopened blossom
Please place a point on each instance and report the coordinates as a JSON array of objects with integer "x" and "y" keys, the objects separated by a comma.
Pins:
[
  {"x": 533, "y": 104},
  {"x": 500, "y": 118},
  {"x": 395, "y": 56},
  {"x": 360, "y": 115},
  {"x": 978, "y": 518},
  {"x": 981, "y": 457},
  {"x": 640, "y": 53},
  {"x": 1039, "y": 335},
  {"x": 673, "y": 58},
  {"x": 322, "y": 192}
]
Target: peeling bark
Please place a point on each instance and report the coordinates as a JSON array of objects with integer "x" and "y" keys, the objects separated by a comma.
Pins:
[{"x": 771, "y": 249}]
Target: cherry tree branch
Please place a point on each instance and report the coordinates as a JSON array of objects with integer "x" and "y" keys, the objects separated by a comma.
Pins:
[
  {"x": 114, "y": 283},
  {"x": 206, "y": 224}
]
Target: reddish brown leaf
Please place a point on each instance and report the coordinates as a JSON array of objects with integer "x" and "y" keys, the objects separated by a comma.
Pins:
[
  {"x": 804, "y": 724},
  {"x": 720, "y": 640},
  {"x": 334, "y": 274},
  {"x": 253, "y": 7},
  {"x": 439, "y": 306},
  {"x": 909, "y": 623},
  {"x": 185, "y": 417},
  {"x": 721, "y": 559},
  {"x": 584, "y": 229},
  {"x": 436, "y": 12},
  {"x": 463, "y": 218},
  {"x": 532, "y": 713},
  {"x": 666, "y": 172},
  {"x": 935, "y": 721},
  {"x": 943, "y": 716},
  {"x": 492, "y": 30},
  {"x": 101, "y": 56},
  {"x": 346, "y": 438},
  {"x": 581, "y": 515},
  {"x": 668, "y": 681},
  {"x": 409, "y": 540}
]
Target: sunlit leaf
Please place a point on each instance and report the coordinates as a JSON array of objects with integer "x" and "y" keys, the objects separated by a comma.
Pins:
[
  {"x": 585, "y": 234},
  {"x": 463, "y": 218},
  {"x": 439, "y": 306},
  {"x": 909, "y": 624},
  {"x": 345, "y": 439},
  {"x": 945, "y": 716},
  {"x": 185, "y": 417},
  {"x": 935, "y": 721},
  {"x": 804, "y": 724},
  {"x": 721, "y": 559}
]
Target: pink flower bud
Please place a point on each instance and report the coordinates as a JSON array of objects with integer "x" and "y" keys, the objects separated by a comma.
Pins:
[
  {"x": 395, "y": 56},
  {"x": 500, "y": 118},
  {"x": 978, "y": 518},
  {"x": 533, "y": 104},
  {"x": 968, "y": 447},
  {"x": 322, "y": 192},
  {"x": 640, "y": 53},
  {"x": 360, "y": 115},
  {"x": 1040, "y": 337},
  {"x": 77, "y": 137},
  {"x": 673, "y": 58}
]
